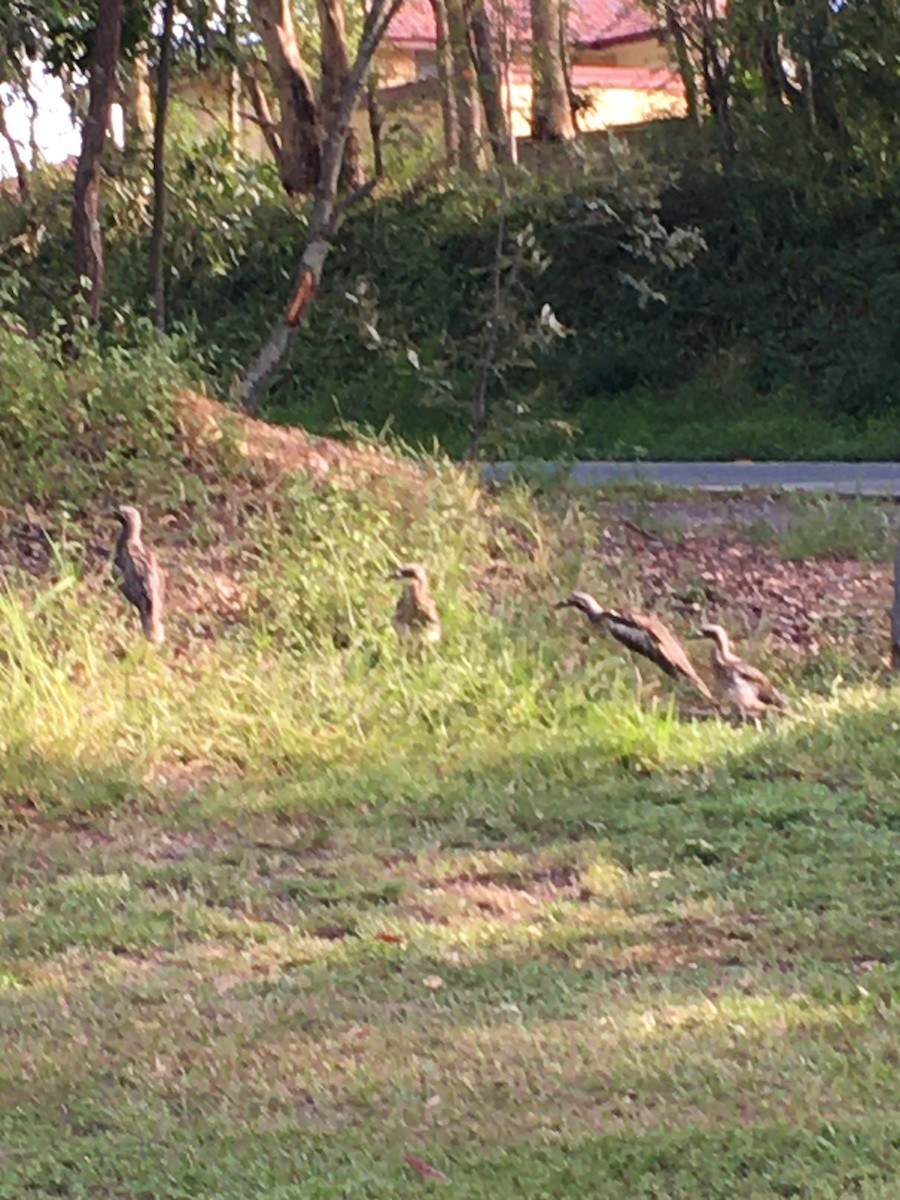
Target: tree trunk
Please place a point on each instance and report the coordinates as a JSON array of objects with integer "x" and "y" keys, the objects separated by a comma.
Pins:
[
  {"x": 895, "y": 615},
  {"x": 335, "y": 70},
  {"x": 551, "y": 114},
  {"x": 260, "y": 105},
  {"x": 376, "y": 120},
  {"x": 565, "y": 58},
  {"x": 467, "y": 103},
  {"x": 86, "y": 232},
  {"x": 233, "y": 84},
  {"x": 682, "y": 53},
  {"x": 18, "y": 162},
  {"x": 37, "y": 158},
  {"x": 139, "y": 114},
  {"x": 479, "y": 395},
  {"x": 158, "y": 233},
  {"x": 449, "y": 114},
  {"x": 323, "y": 216},
  {"x": 489, "y": 81},
  {"x": 299, "y": 126}
]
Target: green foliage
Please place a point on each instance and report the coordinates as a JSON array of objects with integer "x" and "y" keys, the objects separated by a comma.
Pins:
[
  {"x": 82, "y": 415},
  {"x": 745, "y": 359}
]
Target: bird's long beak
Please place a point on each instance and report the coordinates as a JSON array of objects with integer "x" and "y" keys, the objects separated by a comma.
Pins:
[
  {"x": 395, "y": 573},
  {"x": 563, "y": 604}
]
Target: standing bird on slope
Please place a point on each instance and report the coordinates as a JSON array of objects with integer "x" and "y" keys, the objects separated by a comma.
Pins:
[
  {"x": 416, "y": 615},
  {"x": 744, "y": 686},
  {"x": 143, "y": 583},
  {"x": 642, "y": 634}
]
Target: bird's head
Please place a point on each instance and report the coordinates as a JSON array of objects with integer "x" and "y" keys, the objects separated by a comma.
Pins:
[
  {"x": 715, "y": 633},
  {"x": 129, "y": 518},
  {"x": 583, "y": 601},
  {"x": 415, "y": 572}
]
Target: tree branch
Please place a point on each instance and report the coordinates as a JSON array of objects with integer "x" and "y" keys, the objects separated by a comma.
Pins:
[{"x": 323, "y": 215}]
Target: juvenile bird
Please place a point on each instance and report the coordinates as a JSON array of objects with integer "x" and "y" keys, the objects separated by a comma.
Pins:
[
  {"x": 744, "y": 686},
  {"x": 143, "y": 583},
  {"x": 642, "y": 634},
  {"x": 416, "y": 615}
]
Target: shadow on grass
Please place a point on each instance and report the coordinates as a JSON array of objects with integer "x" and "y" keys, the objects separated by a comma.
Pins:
[{"x": 547, "y": 974}]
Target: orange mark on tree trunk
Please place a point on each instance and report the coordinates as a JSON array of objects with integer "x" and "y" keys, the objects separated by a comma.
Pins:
[{"x": 303, "y": 293}]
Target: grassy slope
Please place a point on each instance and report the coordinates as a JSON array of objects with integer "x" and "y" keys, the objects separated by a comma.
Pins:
[{"x": 281, "y": 905}]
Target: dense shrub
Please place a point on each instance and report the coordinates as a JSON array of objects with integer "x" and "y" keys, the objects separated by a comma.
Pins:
[{"x": 777, "y": 341}]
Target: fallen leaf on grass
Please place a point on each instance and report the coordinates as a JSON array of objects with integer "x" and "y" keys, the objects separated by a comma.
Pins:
[
  {"x": 423, "y": 1168},
  {"x": 433, "y": 981},
  {"x": 393, "y": 939}
]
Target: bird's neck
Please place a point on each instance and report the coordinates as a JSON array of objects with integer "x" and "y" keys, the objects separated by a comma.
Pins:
[
  {"x": 129, "y": 535},
  {"x": 590, "y": 607},
  {"x": 417, "y": 590},
  {"x": 722, "y": 649}
]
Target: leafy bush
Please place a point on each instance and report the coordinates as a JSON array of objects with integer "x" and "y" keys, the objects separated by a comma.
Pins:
[
  {"x": 81, "y": 416},
  {"x": 777, "y": 341}
]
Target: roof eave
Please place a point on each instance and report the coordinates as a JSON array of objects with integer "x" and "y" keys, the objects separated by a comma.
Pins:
[{"x": 606, "y": 43}]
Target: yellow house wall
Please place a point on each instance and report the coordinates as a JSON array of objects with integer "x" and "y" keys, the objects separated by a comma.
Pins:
[
  {"x": 649, "y": 53},
  {"x": 394, "y": 66},
  {"x": 609, "y": 107}
]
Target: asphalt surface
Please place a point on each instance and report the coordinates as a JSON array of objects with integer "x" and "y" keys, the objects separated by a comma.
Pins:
[{"x": 837, "y": 478}]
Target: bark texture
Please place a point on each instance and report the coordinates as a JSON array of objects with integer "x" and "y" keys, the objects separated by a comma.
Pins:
[
  {"x": 87, "y": 234},
  {"x": 139, "y": 104},
  {"x": 299, "y": 131},
  {"x": 335, "y": 72},
  {"x": 551, "y": 113},
  {"x": 489, "y": 84},
  {"x": 158, "y": 232},
  {"x": 468, "y": 106},
  {"x": 18, "y": 161},
  {"x": 323, "y": 216},
  {"x": 449, "y": 113},
  {"x": 679, "y": 42}
]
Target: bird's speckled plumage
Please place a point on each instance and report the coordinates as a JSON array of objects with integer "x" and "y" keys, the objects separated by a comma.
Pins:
[
  {"x": 143, "y": 583},
  {"x": 643, "y": 634},
  {"x": 744, "y": 686},
  {"x": 416, "y": 615}
]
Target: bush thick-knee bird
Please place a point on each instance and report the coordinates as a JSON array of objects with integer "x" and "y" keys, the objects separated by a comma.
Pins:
[
  {"x": 416, "y": 615},
  {"x": 143, "y": 582},
  {"x": 744, "y": 686},
  {"x": 643, "y": 634}
]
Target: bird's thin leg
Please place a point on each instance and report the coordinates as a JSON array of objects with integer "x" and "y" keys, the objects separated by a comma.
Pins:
[{"x": 637, "y": 682}]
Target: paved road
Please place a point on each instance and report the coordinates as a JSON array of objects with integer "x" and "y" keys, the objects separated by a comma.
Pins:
[{"x": 843, "y": 479}]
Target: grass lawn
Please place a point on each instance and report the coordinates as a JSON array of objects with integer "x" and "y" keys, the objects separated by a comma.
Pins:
[{"x": 286, "y": 912}]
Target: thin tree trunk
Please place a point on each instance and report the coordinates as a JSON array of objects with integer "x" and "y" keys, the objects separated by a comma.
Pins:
[
  {"x": 506, "y": 62},
  {"x": 551, "y": 114},
  {"x": 15, "y": 154},
  {"x": 895, "y": 615},
  {"x": 479, "y": 396},
  {"x": 158, "y": 233},
  {"x": 335, "y": 60},
  {"x": 261, "y": 112},
  {"x": 449, "y": 113},
  {"x": 37, "y": 158},
  {"x": 139, "y": 118},
  {"x": 233, "y": 85},
  {"x": 489, "y": 81},
  {"x": 86, "y": 231},
  {"x": 376, "y": 120},
  {"x": 685, "y": 65},
  {"x": 464, "y": 85},
  {"x": 299, "y": 125},
  {"x": 323, "y": 216}
]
